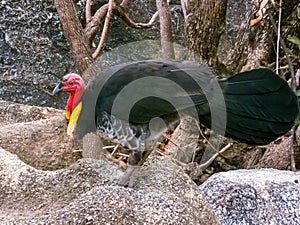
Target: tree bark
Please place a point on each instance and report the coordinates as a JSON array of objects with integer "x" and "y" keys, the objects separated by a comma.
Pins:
[
  {"x": 75, "y": 34},
  {"x": 165, "y": 29},
  {"x": 184, "y": 140},
  {"x": 204, "y": 27}
]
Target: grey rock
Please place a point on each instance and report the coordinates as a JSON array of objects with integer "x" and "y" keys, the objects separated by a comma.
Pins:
[
  {"x": 86, "y": 193},
  {"x": 37, "y": 135},
  {"x": 265, "y": 196},
  {"x": 34, "y": 52}
]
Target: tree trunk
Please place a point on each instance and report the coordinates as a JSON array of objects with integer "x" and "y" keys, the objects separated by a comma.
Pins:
[
  {"x": 75, "y": 34},
  {"x": 204, "y": 27}
]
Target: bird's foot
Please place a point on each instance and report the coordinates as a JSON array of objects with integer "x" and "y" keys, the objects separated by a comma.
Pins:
[
  {"x": 135, "y": 161},
  {"x": 128, "y": 177}
]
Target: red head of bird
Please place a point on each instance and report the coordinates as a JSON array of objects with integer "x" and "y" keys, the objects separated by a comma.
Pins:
[{"x": 74, "y": 84}]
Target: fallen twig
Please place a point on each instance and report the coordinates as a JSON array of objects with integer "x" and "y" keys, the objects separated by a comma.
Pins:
[{"x": 208, "y": 162}]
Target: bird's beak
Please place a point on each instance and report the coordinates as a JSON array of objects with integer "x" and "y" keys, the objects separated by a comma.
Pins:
[{"x": 57, "y": 89}]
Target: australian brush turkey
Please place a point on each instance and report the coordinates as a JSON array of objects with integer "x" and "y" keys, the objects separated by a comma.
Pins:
[{"x": 254, "y": 107}]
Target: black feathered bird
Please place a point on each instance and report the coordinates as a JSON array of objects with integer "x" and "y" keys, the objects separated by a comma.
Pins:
[{"x": 256, "y": 107}]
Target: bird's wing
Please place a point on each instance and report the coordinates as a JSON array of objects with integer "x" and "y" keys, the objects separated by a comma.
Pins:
[{"x": 149, "y": 89}]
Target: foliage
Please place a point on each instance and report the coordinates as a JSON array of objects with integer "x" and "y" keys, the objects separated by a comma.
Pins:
[{"x": 294, "y": 40}]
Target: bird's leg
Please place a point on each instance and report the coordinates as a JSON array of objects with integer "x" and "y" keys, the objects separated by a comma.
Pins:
[{"x": 136, "y": 159}]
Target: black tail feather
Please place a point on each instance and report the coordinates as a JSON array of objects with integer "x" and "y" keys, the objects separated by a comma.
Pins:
[{"x": 260, "y": 106}]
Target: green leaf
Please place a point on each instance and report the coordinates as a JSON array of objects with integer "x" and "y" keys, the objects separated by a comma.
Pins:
[
  {"x": 289, "y": 51},
  {"x": 298, "y": 14},
  {"x": 294, "y": 40}
]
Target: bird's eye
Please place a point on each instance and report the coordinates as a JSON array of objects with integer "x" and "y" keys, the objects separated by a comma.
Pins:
[{"x": 71, "y": 82}]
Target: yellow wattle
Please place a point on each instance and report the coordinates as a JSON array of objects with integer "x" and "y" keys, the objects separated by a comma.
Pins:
[
  {"x": 68, "y": 115},
  {"x": 73, "y": 119}
]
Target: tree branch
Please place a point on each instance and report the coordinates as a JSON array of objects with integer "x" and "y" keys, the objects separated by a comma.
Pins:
[
  {"x": 92, "y": 27},
  {"x": 165, "y": 29},
  {"x": 278, "y": 37},
  {"x": 88, "y": 13},
  {"x": 119, "y": 11},
  {"x": 105, "y": 30},
  {"x": 293, "y": 85},
  {"x": 187, "y": 6},
  {"x": 124, "y": 3}
]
